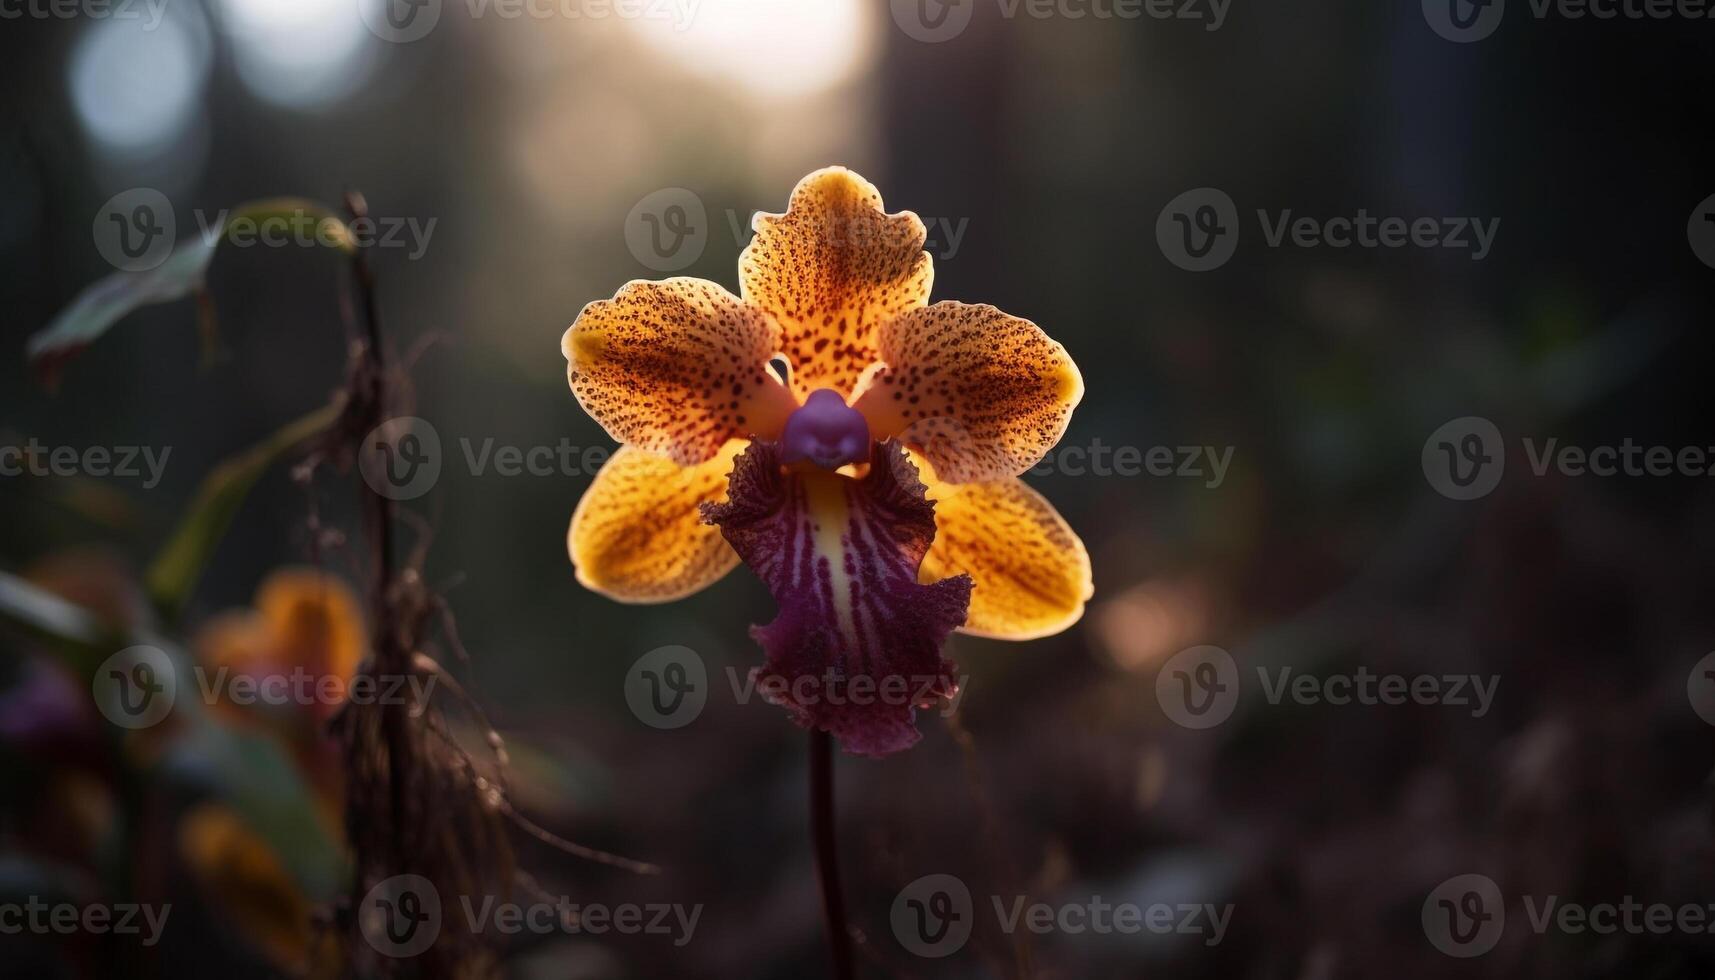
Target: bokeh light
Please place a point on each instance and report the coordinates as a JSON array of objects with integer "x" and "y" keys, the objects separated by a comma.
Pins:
[
  {"x": 138, "y": 90},
  {"x": 301, "y": 54}
]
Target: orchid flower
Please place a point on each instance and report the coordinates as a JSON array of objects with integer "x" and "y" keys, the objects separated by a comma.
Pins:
[{"x": 872, "y": 485}]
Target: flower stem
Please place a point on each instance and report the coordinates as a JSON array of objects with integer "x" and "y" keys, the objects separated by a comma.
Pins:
[{"x": 827, "y": 855}]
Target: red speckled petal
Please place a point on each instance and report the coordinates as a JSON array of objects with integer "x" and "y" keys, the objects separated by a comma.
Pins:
[
  {"x": 841, "y": 556},
  {"x": 676, "y": 367},
  {"x": 982, "y": 394},
  {"x": 832, "y": 270}
]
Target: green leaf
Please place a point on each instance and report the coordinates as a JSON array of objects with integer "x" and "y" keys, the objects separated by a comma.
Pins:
[
  {"x": 256, "y": 775},
  {"x": 178, "y": 565},
  {"x": 106, "y": 301}
]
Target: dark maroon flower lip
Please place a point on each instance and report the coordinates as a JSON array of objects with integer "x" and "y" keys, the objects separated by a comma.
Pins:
[{"x": 840, "y": 555}]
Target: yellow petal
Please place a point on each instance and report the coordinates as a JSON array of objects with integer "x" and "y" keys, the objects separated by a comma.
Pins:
[
  {"x": 832, "y": 270},
  {"x": 313, "y": 620},
  {"x": 1032, "y": 573},
  {"x": 982, "y": 394},
  {"x": 245, "y": 882},
  {"x": 677, "y": 367},
  {"x": 637, "y": 535}
]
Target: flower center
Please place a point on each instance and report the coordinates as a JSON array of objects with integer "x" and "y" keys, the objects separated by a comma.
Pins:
[{"x": 826, "y": 431}]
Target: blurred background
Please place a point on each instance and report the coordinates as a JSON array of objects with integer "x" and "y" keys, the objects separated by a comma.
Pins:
[{"x": 525, "y": 159}]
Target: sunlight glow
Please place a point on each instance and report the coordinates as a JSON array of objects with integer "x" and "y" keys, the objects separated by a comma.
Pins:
[{"x": 776, "y": 48}]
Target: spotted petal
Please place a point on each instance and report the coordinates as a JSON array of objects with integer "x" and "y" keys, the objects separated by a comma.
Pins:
[
  {"x": 676, "y": 367},
  {"x": 832, "y": 270},
  {"x": 1031, "y": 571},
  {"x": 638, "y": 535},
  {"x": 982, "y": 394},
  {"x": 857, "y": 643}
]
